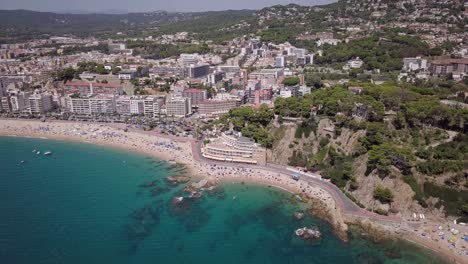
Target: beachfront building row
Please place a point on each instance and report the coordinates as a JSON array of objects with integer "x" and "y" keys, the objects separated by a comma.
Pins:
[
  {"x": 15, "y": 101},
  {"x": 232, "y": 147},
  {"x": 109, "y": 104}
]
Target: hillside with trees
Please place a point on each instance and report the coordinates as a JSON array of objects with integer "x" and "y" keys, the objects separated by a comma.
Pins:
[{"x": 401, "y": 141}]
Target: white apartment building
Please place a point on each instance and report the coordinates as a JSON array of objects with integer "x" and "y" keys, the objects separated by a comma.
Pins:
[
  {"x": 102, "y": 104},
  {"x": 40, "y": 103},
  {"x": 280, "y": 62},
  {"x": 18, "y": 100},
  {"x": 285, "y": 93},
  {"x": 78, "y": 105},
  {"x": 354, "y": 64},
  {"x": 139, "y": 105},
  {"x": 188, "y": 59},
  {"x": 414, "y": 64},
  {"x": 122, "y": 105},
  {"x": 152, "y": 106},
  {"x": 5, "y": 105},
  {"x": 178, "y": 106}
]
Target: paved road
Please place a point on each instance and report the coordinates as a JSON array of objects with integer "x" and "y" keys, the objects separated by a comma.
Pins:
[{"x": 348, "y": 207}]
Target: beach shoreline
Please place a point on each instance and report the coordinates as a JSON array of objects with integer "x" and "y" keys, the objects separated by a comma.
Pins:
[{"x": 180, "y": 151}]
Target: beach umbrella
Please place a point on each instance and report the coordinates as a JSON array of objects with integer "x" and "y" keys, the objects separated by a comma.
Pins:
[{"x": 453, "y": 239}]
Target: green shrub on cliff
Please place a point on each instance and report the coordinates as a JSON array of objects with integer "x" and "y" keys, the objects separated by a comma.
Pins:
[
  {"x": 381, "y": 157},
  {"x": 384, "y": 195}
]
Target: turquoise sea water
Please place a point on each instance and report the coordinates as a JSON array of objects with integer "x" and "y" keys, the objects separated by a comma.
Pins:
[{"x": 88, "y": 204}]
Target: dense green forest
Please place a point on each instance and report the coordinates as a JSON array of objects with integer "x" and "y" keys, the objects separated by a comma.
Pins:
[{"x": 384, "y": 52}]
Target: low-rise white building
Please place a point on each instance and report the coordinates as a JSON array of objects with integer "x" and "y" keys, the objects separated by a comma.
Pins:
[
  {"x": 414, "y": 64},
  {"x": 355, "y": 63}
]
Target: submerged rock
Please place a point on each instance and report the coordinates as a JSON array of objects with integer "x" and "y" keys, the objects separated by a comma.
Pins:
[
  {"x": 157, "y": 191},
  {"x": 188, "y": 212},
  {"x": 141, "y": 223},
  {"x": 217, "y": 192},
  {"x": 299, "y": 215},
  {"x": 204, "y": 185},
  {"x": 195, "y": 195},
  {"x": 149, "y": 184},
  {"x": 177, "y": 200},
  {"x": 176, "y": 180},
  {"x": 392, "y": 253}
]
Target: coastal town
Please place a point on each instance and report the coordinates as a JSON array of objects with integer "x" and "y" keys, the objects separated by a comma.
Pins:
[{"x": 363, "y": 111}]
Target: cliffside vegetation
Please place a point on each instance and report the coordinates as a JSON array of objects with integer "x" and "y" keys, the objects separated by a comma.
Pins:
[{"x": 401, "y": 134}]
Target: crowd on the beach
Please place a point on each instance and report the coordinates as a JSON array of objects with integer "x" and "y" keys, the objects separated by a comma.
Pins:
[
  {"x": 168, "y": 149},
  {"x": 266, "y": 177},
  {"x": 452, "y": 240}
]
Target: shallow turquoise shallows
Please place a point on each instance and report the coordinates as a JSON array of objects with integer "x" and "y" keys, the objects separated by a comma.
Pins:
[{"x": 89, "y": 204}]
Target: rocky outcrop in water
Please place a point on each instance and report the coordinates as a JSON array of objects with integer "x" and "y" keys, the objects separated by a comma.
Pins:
[
  {"x": 308, "y": 233},
  {"x": 319, "y": 209},
  {"x": 299, "y": 215},
  {"x": 176, "y": 180},
  {"x": 149, "y": 184},
  {"x": 142, "y": 222}
]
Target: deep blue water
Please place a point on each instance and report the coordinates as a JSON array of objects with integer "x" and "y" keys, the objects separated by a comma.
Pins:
[{"x": 86, "y": 204}]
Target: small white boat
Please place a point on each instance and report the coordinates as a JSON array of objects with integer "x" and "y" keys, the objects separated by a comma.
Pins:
[
  {"x": 47, "y": 153},
  {"x": 22, "y": 162},
  {"x": 38, "y": 152},
  {"x": 34, "y": 151}
]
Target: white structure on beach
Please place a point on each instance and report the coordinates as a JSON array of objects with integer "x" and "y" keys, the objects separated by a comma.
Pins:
[{"x": 232, "y": 147}]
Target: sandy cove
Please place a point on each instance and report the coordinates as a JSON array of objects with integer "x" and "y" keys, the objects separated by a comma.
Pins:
[
  {"x": 163, "y": 148},
  {"x": 181, "y": 152}
]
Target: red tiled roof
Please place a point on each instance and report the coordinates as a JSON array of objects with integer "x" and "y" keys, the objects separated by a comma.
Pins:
[
  {"x": 103, "y": 85},
  {"x": 355, "y": 88},
  {"x": 193, "y": 90},
  {"x": 450, "y": 61},
  {"x": 216, "y": 101}
]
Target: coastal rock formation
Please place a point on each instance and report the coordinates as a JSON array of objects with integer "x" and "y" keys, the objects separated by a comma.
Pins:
[
  {"x": 203, "y": 185},
  {"x": 141, "y": 223},
  {"x": 334, "y": 217},
  {"x": 308, "y": 233},
  {"x": 176, "y": 180},
  {"x": 299, "y": 215},
  {"x": 157, "y": 191},
  {"x": 150, "y": 183}
]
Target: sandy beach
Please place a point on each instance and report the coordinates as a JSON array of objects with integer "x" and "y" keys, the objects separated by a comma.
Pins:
[
  {"x": 162, "y": 148},
  {"x": 180, "y": 151}
]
